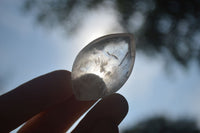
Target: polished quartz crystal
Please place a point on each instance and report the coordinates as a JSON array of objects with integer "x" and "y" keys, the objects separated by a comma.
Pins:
[{"x": 103, "y": 66}]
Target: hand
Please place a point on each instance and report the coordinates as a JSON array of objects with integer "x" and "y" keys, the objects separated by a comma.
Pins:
[{"x": 47, "y": 105}]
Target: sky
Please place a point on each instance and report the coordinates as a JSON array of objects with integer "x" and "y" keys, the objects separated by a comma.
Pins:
[{"x": 28, "y": 50}]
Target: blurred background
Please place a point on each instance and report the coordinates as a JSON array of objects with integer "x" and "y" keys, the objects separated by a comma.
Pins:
[{"x": 37, "y": 37}]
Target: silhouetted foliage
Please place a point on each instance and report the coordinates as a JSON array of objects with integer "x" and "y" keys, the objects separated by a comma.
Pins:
[
  {"x": 163, "y": 125},
  {"x": 166, "y": 27}
]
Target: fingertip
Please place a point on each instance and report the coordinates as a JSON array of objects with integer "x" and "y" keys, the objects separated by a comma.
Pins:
[
  {"x": 120, "y": 100},
  {"x": 104, "y": 126},
  {"x": 119, "y": 103},
  {"x": 112, "y": 108}
]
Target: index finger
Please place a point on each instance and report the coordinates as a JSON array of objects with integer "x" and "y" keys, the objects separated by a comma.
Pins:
[{"x": 27, "y": 100}]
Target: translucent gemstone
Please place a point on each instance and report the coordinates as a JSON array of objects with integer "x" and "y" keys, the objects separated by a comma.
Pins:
[{"x": 103, "y": 66}]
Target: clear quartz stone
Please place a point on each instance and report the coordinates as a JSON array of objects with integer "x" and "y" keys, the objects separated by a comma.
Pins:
[{"x": 103, "y": 66}]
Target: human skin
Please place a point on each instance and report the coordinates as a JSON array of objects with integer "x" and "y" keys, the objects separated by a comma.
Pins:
[{"x": 47, "y": 104}]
